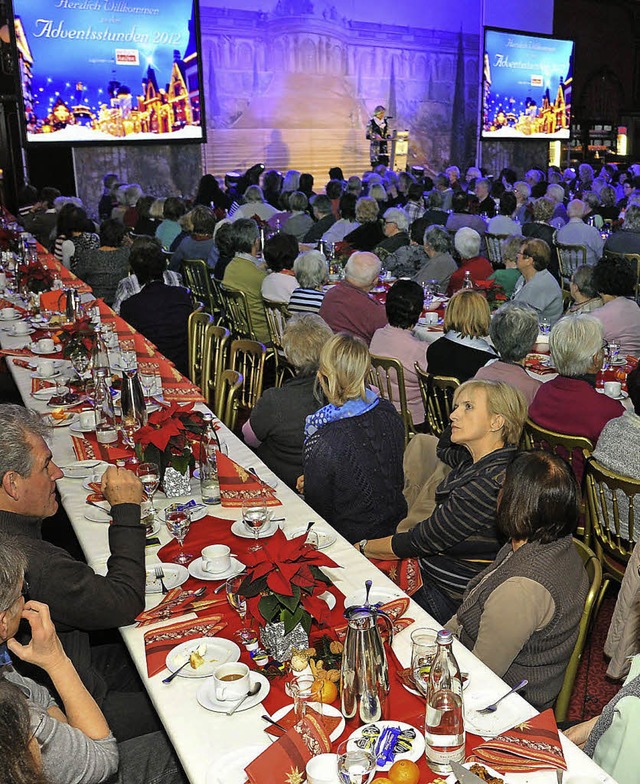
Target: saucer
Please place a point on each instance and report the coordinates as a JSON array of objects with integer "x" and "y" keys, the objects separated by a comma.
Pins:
[
  {"x": 196, "y": 570},
  {"x": 174, "y": 575},
  {"x": 219, "y": 651},
  {"x": 15, "y": 317},
  {"x": 198, "y": 513},
  {"x": 241, "y": 530},
  {"x": 38, "y": 375},
  {"x": 36, "y": 350},
  {"x": 82, "y": 468},
  {"x": 47, "y": 392},
  {"x": 77, "y": 428},
  {"x": 325, "y": 538},
  {"x": 12, "y": 332},
  {"x": 229, "y": 769},
  {"x": 96, "y": 515},
  {"x": 51, "y": 421},
  {"x": 206, "y": 695}
]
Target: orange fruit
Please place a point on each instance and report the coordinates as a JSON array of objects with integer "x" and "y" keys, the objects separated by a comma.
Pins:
[
  {"x": 404, "y": 772},
  {"x": 384, "y": 780},
  {"x": 326, "y": 689}
]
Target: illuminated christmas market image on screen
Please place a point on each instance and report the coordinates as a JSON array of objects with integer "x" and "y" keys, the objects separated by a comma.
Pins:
[{"x": 110, "y": 70}]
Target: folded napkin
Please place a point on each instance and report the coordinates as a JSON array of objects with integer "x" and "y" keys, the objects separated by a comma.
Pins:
[
  {"x": 180, "y": 602},
  {"x": 405, "y": 573},
  {"x": 38, "y": 384},
  {"x": 286, "y": 759},
  {"x": 328, "y": 723},
  {"x": 18, "y": 352},
  {"x": 237, "y": 484},
  {"x": 537, "y": 365},
  {"x": 88, "y": 448},
  {"x": 532, "y": 745},
  {"x": 158, "y": 642},
  {"x": 181, "y": 392},
  {"x": 55, "y": 300}
]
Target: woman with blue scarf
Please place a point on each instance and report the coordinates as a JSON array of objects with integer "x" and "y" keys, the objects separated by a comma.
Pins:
[{"x": 353, "y": 448}]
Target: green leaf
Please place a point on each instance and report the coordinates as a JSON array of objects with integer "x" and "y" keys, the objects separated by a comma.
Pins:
[
  {"x": 291, "y": 620},
  {"x": 320, "y": 575},
  {"x": 291, "y": 602},
  {"x": 250, "y": 589},
  {"x": 306, "y": 621},
  {"x": 269, "y": 607}
]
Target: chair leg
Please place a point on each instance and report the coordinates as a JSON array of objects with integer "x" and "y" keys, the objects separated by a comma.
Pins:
[{"x": 603, "y": 589}]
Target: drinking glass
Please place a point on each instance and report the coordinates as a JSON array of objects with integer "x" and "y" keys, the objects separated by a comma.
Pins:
[
  {"x": 178, "y": 524},
  {"x": 148, "y": 382},
  {"x": 128, "y": 356},
  {"x": 423, "y": 651},
  {"x": 149, "y": 475},
  {"x": 545, "y": 326},
  {"x": 355, "y": 766},
  {"x": 254, "y": 516},
  {"x": 238, "y": 602},
  {"x": 304, "y": 690},
  {"x": 80, "y": 361},
  {"x": 614, "y": 352}
]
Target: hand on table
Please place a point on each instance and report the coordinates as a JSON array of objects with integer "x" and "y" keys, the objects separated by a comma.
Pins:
[
  {"x": 120, "y": 486},
  {"x": 44, "y": 649}
]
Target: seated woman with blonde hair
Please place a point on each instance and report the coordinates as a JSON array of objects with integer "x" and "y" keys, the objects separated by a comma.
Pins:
[
  {"x": 459, "y": 536},
  {"x": 353, "y": 447}
]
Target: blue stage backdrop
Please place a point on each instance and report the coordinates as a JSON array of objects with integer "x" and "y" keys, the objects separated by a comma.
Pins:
[
  {"x": 109, "y": 70},
  {"x": 527, "y": 86}
]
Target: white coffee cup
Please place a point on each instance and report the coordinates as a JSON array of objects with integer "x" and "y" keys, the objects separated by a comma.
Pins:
[
  {"x": 430, "y": 318},
  {"x": 46, "y": 368},
  {"x": 87, "y": 420},
  {"x": 20, "y": 328},
  {"x": 215, "y": 558},
  {"x": 46, "y": 344},
  {"x": 8, "y": 313},
  {"x": 612, "y": 388},
  {"x": 323, "y": 769},
  {"x": 231, "y": 681}
]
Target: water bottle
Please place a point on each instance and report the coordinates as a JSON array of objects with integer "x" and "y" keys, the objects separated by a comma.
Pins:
[
  {"x": 209, "y": 447},
  {"x": 100, "y": 354},
  {"x": 106, "y": 429},
  {"x": 444, "y": 722},
  {"x": 467, "y": 283}
]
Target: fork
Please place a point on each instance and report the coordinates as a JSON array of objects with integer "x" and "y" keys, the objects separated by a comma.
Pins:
[
  {"x": 159, "y": 573},
  {"x": 491, "y": 708}
]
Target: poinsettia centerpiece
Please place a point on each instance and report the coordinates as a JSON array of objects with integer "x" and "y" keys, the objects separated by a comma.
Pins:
[
  {"x": 78, "y": 336},
  {"x": 35, "y": 277},
  {"x": 170, "y": 437}
]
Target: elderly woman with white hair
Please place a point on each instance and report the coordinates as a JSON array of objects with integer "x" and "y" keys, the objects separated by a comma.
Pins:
[
  {"x": 440, "y": 266},
  {"x": 254, "y": 204},
  {"x": 583, "y": 291},
  {"x": 467, "y": 242},
  {"x": 570, "y": 403},
  {"x": 311, "y": 272},
  {"x": 396, "y": 232},
  {"x": 369, "y": 233},
  {"x": 300, "y": 221},
  {"x": 627, "y": 239},
  {"x": 513, "y": 332}
]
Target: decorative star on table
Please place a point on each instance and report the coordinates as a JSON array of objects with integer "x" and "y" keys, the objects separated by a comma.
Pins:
[{"x": 294, "y": 777}]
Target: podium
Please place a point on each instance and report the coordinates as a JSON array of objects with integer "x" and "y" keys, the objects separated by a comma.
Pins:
[{"x": 398, "y": 145}]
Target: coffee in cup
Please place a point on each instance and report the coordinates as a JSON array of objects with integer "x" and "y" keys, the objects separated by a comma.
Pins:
[
  {"x": 46, "y": 368},
  {"x": 231, "y": 681},
  {"x": 215, "y": 558},
  {"x": 46, "y": 345},
  {"x": 612, "y": 388}
]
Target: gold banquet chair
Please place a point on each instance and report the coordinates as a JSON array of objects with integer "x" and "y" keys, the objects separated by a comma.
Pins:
[
  {"x": 278, "y": 314},
  {"x": 248, "y": 358},
  {"x": 238, "y": 313},
  {"x": 196, "y": 328},
  {"x": 214, "y": 357},
  {"x": 604, "y": 488},
  {"x": 570, "y": 257},
  {"x": 227, "y": 393},
  {"x": 568, "y": 447},
  {"x": 384, "y": 371},
  {"x": 594, "y": 573},
  {"x": 437, "y": 398},
  {"x": 203, "y": 288},
  {"x": 494, "y": 248}
]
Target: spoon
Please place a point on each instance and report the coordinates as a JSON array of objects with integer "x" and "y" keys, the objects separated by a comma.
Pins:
[
  {"x": 367, "y": 585},
  {"x": 169, "y": 678},
  {"x": 251, "y": 693}
]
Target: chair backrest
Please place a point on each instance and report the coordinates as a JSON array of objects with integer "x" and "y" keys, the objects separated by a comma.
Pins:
[
  {"x": 214, "y": 355},
  {"x": 594, "y": 573},
  {"x": 277, "y": 316},
  {"x": 227, "y": 393},
  {"x": 494, "y": 247},
  {"x": 248, "y": 358},
  {"x": 387, "y": 373},
  {"x": 238, "y": 313},
  {"x": 634, "y": 261},
  {"x": 570, "y": 257},
  {"x": 612, "y": 509},
  {"x": 198, "y": 278},
  {"x": 437, "y": 398},
  {"x": 197, "y": 325}
]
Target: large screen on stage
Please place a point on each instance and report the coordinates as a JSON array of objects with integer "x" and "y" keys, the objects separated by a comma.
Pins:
[
  {"x": 526, "y": 86},
  {"x": 110, "y": 70}
]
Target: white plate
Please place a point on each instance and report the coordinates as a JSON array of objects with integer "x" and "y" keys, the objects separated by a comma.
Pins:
[
  {"x": 77, "y": 428},
  {"x": 206, "y": 696},
  {"x": 51, "y": 422},
  {"x": 80, "y": 400},
  {"x": 48, "y": 392},
  {"x": 196, "y": 570},
  {"x": 229, "y": 769},
  {"x": 198, "y": 514},
  {"x": 510, "y": 712},
  {"x": 96, "y": 515},
  {"x": 325, "y": 538},
  {"x": 451, "y": 778},
  {"x": 155, "y": 529},
  {"x": 174, "y": 575},
  {"x": 329, "y": 710},
  {"x": 241, "y": 530},
  {"x": 82, "y": 468},
  {"x": 618, "y": 362},
  {"x": 417, "y": 746},
  {"x": 376, "y": 596},
  {"x": 36, "y": 374},
  {"x": 36, "y": 350},
  {"x": 219, "y": 651}
]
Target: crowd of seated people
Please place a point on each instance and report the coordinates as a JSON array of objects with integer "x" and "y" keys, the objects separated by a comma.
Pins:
[{"x": 480, "y": 516}]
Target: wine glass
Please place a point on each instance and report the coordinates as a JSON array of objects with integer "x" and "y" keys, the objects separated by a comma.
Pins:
[
  {"x": 178, "y": 524},
  {"x": 149, "y": 475},
  {"x": 147, "y": 381},
  {"x": 423, "y": 651},
  {"x": 254, "y": 516},
  {"x": 238, "y": 602},
  {"x": 80, "y": 361},
  {"x": 355, "y": 766}
]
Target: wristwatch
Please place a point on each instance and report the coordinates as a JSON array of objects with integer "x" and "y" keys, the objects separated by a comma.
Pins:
[{"x": 362, "y": 544}]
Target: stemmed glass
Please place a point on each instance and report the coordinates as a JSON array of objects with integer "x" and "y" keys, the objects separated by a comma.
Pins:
[
  {"x": 355, "y": 766},
  {"x": 423, "y": 651},
  {"x": 80, "y": 361},
  {"x": 178, "y": 524},
  {"x": 147, "y": 381},
  {"x": 238, "y": 602},
  {"x": 254, "y": 516},
  {"x": 149, "y": 475}
]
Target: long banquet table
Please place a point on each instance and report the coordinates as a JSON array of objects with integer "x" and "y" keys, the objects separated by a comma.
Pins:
[{"x": 203, "y": 739}]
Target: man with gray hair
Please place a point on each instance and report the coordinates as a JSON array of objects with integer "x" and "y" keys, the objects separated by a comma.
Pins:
[
  {"x": 348, "y": 307},
  {"x": 576, "y": 232},
  {"x": 80, "y": 600},
  {"x": 324, "y": 217},
  {"x": 396, "y": 232},
  {"x": 486, "y": 205}
]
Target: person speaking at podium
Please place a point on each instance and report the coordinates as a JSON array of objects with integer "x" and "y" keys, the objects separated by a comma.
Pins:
[{"x": 377, "y": 133}]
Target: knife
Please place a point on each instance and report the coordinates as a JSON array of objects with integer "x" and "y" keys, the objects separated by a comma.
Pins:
[{"x": 465, "y": 776}]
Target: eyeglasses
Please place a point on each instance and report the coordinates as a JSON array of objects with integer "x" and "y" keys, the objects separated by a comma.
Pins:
[{"x": 24, "y": 593}]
